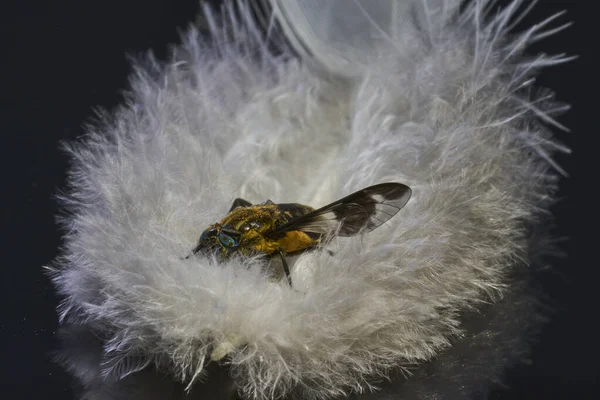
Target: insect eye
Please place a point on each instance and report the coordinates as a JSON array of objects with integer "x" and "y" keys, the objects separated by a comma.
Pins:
[
  {"x": 228, "y": 241},
  {"x": 207, "y": 233}
]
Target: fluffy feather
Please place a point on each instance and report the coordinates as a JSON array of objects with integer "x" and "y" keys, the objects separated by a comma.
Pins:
[{"x": 446, "y": 108}]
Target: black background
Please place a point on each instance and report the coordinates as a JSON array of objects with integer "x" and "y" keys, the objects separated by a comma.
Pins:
[{"x": 61, "y": 59}]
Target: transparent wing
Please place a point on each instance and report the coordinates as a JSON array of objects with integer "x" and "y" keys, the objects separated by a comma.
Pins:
[{"x": 360, "y": 212}]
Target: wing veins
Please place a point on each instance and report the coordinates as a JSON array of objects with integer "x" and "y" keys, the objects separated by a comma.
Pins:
[{"x": 374, "y": 211}]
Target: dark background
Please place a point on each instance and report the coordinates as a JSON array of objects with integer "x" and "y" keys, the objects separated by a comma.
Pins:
[{"x": 61, "y": 59}]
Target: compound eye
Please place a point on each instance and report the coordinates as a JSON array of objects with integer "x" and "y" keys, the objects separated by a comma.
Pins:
[
  {"x": 208, "y": 233},
  {"x": 228, "y": 241}
]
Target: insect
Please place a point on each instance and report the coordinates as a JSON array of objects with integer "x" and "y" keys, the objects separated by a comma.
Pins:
[{"x": 280, "y": 230}]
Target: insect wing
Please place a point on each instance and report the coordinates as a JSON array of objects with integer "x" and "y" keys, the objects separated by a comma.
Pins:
[{"x": 361, "y": 211}]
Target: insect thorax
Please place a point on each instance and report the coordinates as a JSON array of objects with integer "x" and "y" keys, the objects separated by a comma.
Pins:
[
  {"x": 263, "y": 218},
  {"x": 255, "y": 223}
]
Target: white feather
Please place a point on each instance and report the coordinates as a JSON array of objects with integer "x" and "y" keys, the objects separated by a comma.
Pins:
[{"x": 438, "y": 106}]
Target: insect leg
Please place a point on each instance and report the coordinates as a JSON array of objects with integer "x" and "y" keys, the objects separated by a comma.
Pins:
[
  {"x": 286, "y": 268},
  {"x": 239, "y": 203},
  {"x": 194, "y": 251}
]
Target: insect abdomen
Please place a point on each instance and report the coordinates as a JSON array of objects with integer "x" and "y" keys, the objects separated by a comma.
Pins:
[{"x": 296, "y": 241}]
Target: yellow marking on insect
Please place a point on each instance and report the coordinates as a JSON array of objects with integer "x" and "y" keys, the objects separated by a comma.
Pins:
[
  {"x": 265, "y": 246},
  {"x": 295, "y": 241}
]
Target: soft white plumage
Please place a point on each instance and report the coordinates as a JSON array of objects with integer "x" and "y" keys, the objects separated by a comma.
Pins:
[{"x": 444, "y": 107}]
